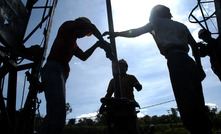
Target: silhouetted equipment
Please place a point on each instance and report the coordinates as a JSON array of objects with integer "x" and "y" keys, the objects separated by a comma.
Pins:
[
  {"x": 109, "y": 51},
  {"x": 14, "y": 18},
  {"x": 215, "y": 15},
  {"x": 120, "y": 114},
  {"x": 218, "y": 14},
  {"x": 115, "y": 65}
]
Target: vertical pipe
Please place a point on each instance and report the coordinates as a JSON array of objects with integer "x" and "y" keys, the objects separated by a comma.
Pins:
[
  {"x": 218, "y": 19},
  {"x": 115, "y": 65},
  {"x": 11, "y": 97},
  {"x": 218, "y": 14}
]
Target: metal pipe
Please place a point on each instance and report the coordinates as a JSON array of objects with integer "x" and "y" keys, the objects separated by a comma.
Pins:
[
  {"x": 115, "y": 64},
  {"x": 218, "y": 14}
]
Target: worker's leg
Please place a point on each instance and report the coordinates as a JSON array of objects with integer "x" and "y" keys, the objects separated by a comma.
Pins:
[
  {"x": 53, "y": 80},
  {"x": 188, "y": 93}
]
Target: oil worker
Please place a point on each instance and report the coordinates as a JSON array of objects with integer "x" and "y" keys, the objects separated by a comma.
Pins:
[
  {"x": 56, "y": 70},
  {"x": 127, "y": 81},
  {"x": 211, "y": 49},
  {"x": 151, "y": 129},
  {"x": 172, "y": 39}
]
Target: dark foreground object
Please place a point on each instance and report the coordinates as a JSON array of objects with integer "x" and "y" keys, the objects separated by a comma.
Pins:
[{"x": 121, "y": 115}]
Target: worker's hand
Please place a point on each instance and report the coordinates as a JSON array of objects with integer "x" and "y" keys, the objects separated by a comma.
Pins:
[
  {"x": 200, "y": 44},
  {"x": 138, "y": 86},
  {"x": 107, "y": 48},
  {"x": 97, "y": 44},
  {"x": 104, "y": 45},
  {"x": 111, "y": 34}
]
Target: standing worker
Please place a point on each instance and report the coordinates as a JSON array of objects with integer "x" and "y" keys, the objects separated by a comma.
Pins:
[
  {"x": 211, "y": 49},
  {"x": 127, "y": 81},
  {"x": 56, "y": 70},
  {"x": 172, "y": 39}
]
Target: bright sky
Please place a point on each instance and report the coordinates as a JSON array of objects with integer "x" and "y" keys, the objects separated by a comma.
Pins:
[{"x": 88, "y": 81}]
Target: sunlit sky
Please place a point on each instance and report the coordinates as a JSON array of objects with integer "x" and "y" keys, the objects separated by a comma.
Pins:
[{"x": 88, "y": 81}]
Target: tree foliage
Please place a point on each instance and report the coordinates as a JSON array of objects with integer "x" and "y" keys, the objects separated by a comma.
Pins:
[
  {"x": 164, "y": 123},
  {"x": 71, "y": 122},
  {"x": 86, "y": 122},
  {"x": 68, "y": 109}
]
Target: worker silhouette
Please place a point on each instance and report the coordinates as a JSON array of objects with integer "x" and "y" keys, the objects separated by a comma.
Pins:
[
  {"x": 151, "y": 129},
  {"x": 56, "y": 70},
  {"x": 172, "y": 39},
  {"x": 211, "y": 49},
  {"x": 127, "y": 81}
]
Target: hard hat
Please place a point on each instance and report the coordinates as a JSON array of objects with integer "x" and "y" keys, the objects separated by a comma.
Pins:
[
  {"x": 123, "y": 62},
  {"x": 89, "y": 34},
  {"x": 160, "y": 11},
  {"x": 151, "y": 126},
  {"x": 201, "y": 32},
  {"x": 86, "y": 20}
]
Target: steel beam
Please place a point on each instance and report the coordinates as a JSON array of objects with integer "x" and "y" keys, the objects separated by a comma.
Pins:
[{"x": 11, "y": 97}]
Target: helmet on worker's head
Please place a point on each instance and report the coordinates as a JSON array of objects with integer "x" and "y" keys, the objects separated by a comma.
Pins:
[
  {"x": 86, "y": 20},
  {"x": 160, "y": 11},
  {"x": 203, "y": 31},
  {"x": 152, "y": 127},
  {"x": 122, "y": 61}
]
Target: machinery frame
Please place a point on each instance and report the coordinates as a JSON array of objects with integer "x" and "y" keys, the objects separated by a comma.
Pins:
[{"x": 14, "y": 18}]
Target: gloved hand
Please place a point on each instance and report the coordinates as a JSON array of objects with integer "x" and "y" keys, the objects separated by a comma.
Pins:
[
  {"x": 112, "y": 34},
  {"x": 138, "y": 86},
  {"x": 107, "y": 48},
  {"x": 200, "y": 44}
]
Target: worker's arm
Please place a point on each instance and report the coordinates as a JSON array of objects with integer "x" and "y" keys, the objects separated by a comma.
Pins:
[
  {"x": 110, "y": 89},
  {"x": 85, "y": 55},
  {"x": 131, "y": 33},
  {"x": 79, "y": 25},
  {"x": 93, "y": 29},
  {"x": 138, "y": 86},
  {"x": 95, "y": 32},
  {"x": 108, "y": 95},
  {"x": 196, "y": 55}
]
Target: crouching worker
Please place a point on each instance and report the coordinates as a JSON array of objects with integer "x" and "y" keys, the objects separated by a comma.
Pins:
[
  {"x": 211, "y": 49},
  {"x": 127, "y": 81}
]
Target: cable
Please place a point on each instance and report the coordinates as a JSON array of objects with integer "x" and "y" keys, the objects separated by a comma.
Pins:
[
  {"x": 175, "y": 125},
  {"x": 2, "y": 83},
  {"x": 140, "y": 108},
  {"x": 191, "y": 14},
  {"x": 23, "y": 92},
  {"x": 210, "y": 17},
  {"x": 200, "y": 5},
  {"x": 157, "y": 104}
]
